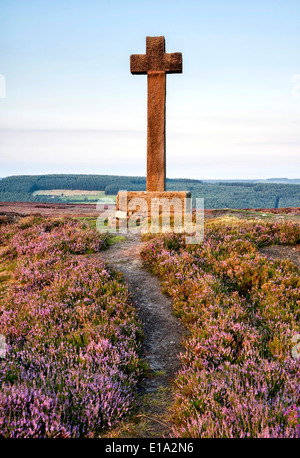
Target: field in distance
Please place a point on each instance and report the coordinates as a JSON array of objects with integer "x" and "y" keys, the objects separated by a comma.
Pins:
[{"x": 76, "y": 195}]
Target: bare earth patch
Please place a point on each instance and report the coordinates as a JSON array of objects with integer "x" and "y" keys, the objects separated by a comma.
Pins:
[{"x": 292, "y": 253}]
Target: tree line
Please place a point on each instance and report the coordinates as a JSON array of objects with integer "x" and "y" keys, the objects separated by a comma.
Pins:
[{"x": 220, "y": 194}]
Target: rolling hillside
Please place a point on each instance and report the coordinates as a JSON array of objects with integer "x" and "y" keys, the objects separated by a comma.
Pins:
[{"x": 272, "y": 193}]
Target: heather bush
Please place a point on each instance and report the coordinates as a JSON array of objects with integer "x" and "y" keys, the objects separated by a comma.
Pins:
[
  {"x": 72, "y": 364},
  {"x": 37, "y": 237},
  {"x": 238, "y": 378}
]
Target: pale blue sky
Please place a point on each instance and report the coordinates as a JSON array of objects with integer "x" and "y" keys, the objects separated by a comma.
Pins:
[{"x": 72, "y": 105}]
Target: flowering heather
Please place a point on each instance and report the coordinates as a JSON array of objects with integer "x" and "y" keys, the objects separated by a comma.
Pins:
[
  {"x": 71, "y": 365},
  {"x": 238, "y": 378},
  {"x": 36, "y": 236}
]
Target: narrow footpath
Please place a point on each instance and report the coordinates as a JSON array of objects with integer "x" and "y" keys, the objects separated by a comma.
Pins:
[{"x": 163, "y": 335}]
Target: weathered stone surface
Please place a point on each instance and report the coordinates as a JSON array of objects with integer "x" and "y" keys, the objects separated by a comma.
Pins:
[
  {"x": 156, "y": 63},
  {"x": 156, "y": 132},
  {"x": 146, "y": 199}
]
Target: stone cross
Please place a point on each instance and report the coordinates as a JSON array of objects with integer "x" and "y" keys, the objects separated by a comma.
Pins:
[{"x": 155, "y": 64}]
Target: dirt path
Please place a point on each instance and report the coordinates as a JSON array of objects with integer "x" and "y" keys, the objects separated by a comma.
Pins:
[{"x": 163, "y": 336}]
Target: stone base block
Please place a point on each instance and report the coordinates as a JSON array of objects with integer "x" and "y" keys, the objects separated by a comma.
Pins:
[{"x": 146, "y": 202}]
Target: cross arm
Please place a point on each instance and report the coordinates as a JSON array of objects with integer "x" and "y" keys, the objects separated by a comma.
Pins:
[
  {"x": 140, "y": 64},
  {"x": 173, "y": 62}
]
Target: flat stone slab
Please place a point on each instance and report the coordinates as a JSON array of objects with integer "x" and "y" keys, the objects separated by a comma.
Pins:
[{"x": 143, "y": 201}]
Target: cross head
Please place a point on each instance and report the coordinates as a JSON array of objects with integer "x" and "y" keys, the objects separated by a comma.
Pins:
[{"x": 155, "y": 59}]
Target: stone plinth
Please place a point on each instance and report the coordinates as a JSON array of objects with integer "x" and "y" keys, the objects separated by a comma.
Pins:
[{"x": 149, "y": 202}]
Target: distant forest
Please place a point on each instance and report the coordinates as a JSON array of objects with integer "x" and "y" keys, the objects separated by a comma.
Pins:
[{"x": 216, "y": 194}]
